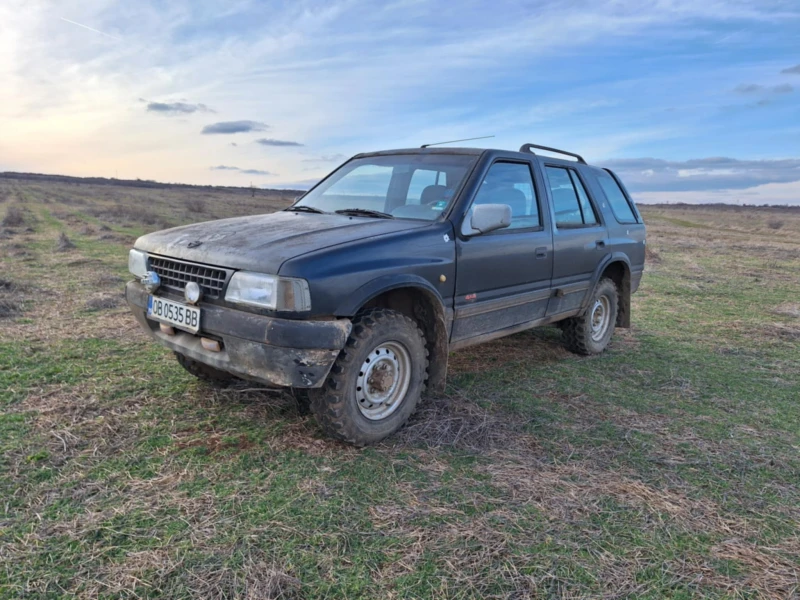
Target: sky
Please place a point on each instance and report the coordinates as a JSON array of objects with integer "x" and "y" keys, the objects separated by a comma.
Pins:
[{"x": 689, "y": 101}]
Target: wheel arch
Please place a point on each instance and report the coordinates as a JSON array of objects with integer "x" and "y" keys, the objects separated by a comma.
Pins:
[
  {"x": 616, "y": 267},
  {"x": 416, "y": 298}
]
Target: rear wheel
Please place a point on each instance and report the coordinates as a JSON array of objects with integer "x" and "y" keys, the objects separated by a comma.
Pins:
[
  {"x": 204, "y": 372},
  {"x": 591, "y": 332},
  {"x": 377, "y": 380}
]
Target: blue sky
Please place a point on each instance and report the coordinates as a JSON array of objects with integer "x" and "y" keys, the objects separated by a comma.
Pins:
[{"x": 689, "y": 101}]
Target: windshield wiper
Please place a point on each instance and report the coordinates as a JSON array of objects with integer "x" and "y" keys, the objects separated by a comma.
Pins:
[
  {"x": 365, "y": 212},
  {"x": 303, "y": 208}
]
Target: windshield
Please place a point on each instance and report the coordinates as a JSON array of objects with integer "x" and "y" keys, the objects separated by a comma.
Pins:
[{"x": 405, "y": 186}]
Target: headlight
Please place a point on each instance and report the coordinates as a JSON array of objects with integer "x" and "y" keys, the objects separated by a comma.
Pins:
[
  {"x": 269, "y": 291},
  {"x": 137, "y": 263}
]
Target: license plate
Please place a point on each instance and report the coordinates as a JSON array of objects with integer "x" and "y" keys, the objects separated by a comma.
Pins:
[{"x": 179, "y": 315}]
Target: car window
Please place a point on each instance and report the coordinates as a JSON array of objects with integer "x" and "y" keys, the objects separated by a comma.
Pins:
[
  {"x": 571, "y": 203},
  {"x": 421, "y": 179},
  {"x": 369, "y": 183},
  {"x": 565, "y": 200},
  {"x": 619, "y": 203},
  {"x": 589, "y": 216},
  {"x": 405, "y": 185},
  {"x": 512, "y": 184}
]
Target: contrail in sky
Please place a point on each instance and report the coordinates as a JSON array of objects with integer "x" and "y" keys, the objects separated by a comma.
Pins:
[{"x": 91, "y": 29}]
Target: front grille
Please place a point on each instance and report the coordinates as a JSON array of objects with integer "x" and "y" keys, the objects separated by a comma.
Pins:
[{"x": 176, "y": 274}]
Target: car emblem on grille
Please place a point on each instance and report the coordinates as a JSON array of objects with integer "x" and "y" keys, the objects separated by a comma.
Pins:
[{"x": 194, "y": 244}]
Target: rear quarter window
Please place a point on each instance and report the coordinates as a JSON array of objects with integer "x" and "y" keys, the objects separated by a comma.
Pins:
[{"x": 620, "y": 206}]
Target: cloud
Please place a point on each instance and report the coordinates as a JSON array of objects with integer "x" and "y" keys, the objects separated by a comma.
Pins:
[
  {"x": 281, "y": 143},
  {"x": 703, "y": 174},
  {"x": 240, "y": 170},
  {"x": 227, "y": 127},
  {"x": 176, "y": 107},
  {"x": 326, "y": 158},
  {"x": 754, "y": 88},
  {"x": 795, "y": 70},
  {"x": 255, "y": 172}
]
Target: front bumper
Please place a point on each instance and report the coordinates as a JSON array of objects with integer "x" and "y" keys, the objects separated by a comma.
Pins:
[{"x": 281, "y": 352}]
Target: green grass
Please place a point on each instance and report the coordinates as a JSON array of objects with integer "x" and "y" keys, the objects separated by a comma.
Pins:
[{"x": 665, "y": 468}]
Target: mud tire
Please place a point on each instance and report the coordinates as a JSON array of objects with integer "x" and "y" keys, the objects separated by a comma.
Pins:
[
  {"x": 577, "y": 331},
  {"x": 335, "y": 405}
]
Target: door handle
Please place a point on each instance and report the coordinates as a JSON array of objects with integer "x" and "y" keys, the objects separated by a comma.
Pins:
[
  {"x": 601, "y": 243},
  {"x": 541, "y": 252}
]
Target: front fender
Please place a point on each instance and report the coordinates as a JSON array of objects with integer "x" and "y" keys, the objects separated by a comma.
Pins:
[{"x": 349, "y": 306}]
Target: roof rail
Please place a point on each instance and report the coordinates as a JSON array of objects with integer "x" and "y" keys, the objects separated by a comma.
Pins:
[{"x": 527, "y": 148}]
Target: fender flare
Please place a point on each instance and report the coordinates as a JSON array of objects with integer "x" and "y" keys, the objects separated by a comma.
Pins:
[
  {"x": 380, "y": 285},
  {"x": 436, "y": 326},
  {"x": 621, "y": 257}
]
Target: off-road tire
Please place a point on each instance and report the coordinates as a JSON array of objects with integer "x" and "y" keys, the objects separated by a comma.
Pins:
[
  {"x": 335, "y": 405},
  {"x": 205, "y": 373},
  {"x": 577, "y": 331}
]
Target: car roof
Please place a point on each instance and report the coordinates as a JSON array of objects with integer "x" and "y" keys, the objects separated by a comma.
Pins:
[
  {"x": 471, "y": 152},
  {"x": 468, "y": 151}
]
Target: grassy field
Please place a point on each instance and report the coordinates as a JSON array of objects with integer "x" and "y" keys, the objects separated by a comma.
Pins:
[{"x": 667, "y": 467}]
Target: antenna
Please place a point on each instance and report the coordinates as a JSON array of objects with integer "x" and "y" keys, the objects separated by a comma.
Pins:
[{"x": 485, "y": 137}]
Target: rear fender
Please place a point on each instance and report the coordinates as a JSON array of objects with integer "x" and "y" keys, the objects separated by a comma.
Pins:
[{"x": 624, "y": 313}]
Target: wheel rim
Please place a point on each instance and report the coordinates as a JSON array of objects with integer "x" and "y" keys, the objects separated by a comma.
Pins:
[
  {"x": 383, "y": 380},
  {"x": 601, "y": 314}
]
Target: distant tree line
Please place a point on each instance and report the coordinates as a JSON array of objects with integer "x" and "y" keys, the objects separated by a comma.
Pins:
[
  {"x": 140, "y": 183},
  {"x": 719, "y": 205}
]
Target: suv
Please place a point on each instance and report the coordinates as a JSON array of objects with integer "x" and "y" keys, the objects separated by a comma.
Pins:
[{"x": 360, "y": 290}]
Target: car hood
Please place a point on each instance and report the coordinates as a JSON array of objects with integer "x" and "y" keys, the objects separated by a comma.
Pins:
[{"x": 263, "y": 243}]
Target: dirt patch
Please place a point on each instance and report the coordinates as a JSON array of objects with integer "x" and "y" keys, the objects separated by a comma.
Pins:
[
  {"x": 652, "y": 256},
  {"x": 105, "y": 302},
  {"x": 116, "y": 238},
  {"x": 775, "y": 224},
  {"x": 210, "y": 576},
  {"x": 788, "y": 309},
  {"x": 216, "y": 443},
  {"x": 195, "y": 205},
  {"x": 12, "y": 298},
  {"x": 773, "y": 575},
  {"x": 19, "y": 250},
  {"x": 539, "y": 346},
  {"x": 108, "y": 279},
  {"x": 15, "y": 217},
  {"x": 459, "y": 423},
  {"x": 782, "y": 332},
  {"x": 64, "y": 244}
]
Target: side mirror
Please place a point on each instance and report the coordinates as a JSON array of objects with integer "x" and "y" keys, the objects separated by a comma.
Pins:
[{"x": 486, "y": 218}]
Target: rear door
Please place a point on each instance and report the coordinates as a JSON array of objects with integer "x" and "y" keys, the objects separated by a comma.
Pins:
[
  {"x": 579, "y": 237},
  {"x": 503, "y": 277}
]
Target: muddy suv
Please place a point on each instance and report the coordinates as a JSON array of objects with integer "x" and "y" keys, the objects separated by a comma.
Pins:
[{"x": 361, "y": 289}]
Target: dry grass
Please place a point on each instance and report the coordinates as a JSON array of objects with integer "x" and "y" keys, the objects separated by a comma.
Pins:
[
  {"x": 12, "y": 297},
  {"x": 458, "y": 423},
  {"x": 665, "y": 468},
  {"x": 15, "y": 217},
  {"x": 64, "y": 244}
]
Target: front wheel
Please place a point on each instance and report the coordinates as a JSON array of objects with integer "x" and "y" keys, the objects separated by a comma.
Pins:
[
  {"x": 377, "y": 380},
  {"x": 591, "y": 332}
]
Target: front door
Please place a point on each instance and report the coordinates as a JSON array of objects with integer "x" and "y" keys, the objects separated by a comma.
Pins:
[{"x": 503, "y": 277}]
